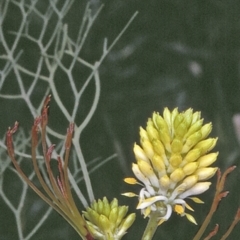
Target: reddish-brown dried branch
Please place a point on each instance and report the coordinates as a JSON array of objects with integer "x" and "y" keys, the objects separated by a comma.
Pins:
[
  {"x": 212, "y": 233},
  {"x": 233, "y": 224}
]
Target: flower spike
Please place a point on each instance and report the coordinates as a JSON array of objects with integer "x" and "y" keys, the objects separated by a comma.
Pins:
[{"x": 172, "y": 163}]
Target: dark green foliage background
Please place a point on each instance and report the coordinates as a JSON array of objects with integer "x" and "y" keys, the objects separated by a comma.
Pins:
[{"x": 176, "y": 54}]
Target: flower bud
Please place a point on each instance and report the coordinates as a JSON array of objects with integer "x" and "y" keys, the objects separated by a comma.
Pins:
[{"x": 207, "y": 160}]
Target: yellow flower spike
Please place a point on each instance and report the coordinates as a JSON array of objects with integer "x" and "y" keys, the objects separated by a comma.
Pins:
[
  {"x": 175, "y": 162},
  {"x": 207, "y": 160},
  {"x": 177, "y": 175},
  {"x": 206, "y": 173},
  {"x": 111, "y": 224},
  {"x": 190, "y": 168}
]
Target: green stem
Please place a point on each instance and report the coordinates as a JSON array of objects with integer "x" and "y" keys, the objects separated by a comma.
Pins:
[{"x": 151, "y": 226}]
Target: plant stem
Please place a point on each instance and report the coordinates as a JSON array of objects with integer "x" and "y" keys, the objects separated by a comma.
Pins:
[{"x": 151, "y": 226}]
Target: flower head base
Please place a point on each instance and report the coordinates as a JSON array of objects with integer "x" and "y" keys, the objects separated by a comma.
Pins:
[
  {"x": 172, "y": 163},
  {"x": 107, "y": 220}
]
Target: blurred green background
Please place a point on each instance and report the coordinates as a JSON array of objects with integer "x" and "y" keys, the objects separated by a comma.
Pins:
[{"x": 175, "y": 54}]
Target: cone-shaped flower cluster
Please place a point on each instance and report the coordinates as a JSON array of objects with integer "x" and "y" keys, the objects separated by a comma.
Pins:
[
  {"x": 108, "y": 220},
  {"x": 172, "y": 163}
]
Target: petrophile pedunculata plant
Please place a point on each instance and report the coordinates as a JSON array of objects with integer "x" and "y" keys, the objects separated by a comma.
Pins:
[{"x": 111, "y": 219}]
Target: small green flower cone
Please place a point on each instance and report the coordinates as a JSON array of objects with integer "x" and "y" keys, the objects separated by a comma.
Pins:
[
  {"x": 108, "y": 221},
  {"x": 172, "y": 164}
]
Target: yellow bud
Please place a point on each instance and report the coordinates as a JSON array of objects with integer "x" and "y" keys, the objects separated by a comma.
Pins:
[
  {"x": 191, "y": 141},
  {"x": 207, "y": 160},
  {"x": 178, "y": 120},
  {"x": 114, "y": 203},
  {"x": 206, "y": 129},
  {"x": 159, "y": 122},
  {"x": 165, "y": 181},
  {"x": 152, "y": 131},
  {"x": 148, "y": 148},
  {"x": 106, "y": 207},
  {"x": 176, "y": 145},
  {"x": 139, "y": 153},
  {"x": 177, "y": 175},
  {"x": 194, "y": 128},
  {"x": 205, "y": 173},
  {"x": 158, "y": 163},
  {"x": 189, "y": 168},
  {"x": 127, "y": 223},
  {"x": 174, "y": 114},
  {"x": 196, "y": 117},
  {"x": 165, "y": 138},
  {"x": 190, "y": 181},
  {"x": 113, "y": 215},
  {"x": 100, "y": 206},
  {"x": 192, "y": 155},
  {"x": 188, "y": 117},
  {"x": 145, "y": 168},
  {"x": 104, "y": 223},
  {"x": 181, "y": 130},
  {"x": 206, "y": 145},
  {"x": 175, "y": 160},
  {"x": 158, "y": 147},
  {"x": 122, "y": 211},
  {"x": 92, "y": 215},
  {"x": 167, "y": 117},
  {"x": 143, "y": 134}
]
